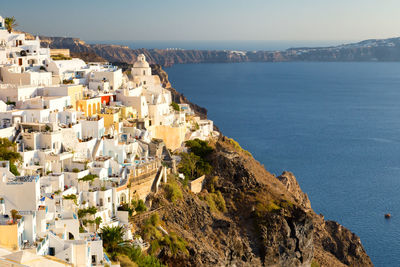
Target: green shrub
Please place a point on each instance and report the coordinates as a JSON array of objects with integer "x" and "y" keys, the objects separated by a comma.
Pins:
[
  {"x": 75, "y": 170},
  {"x": 238, "y": 147},
  {"x": 154, "y": 220},
  {"x": 266, "y": 207},
  {"x": 150, "y": 261},
  {"x": 216, "y": 201},
  {"x": 72, "y": 197},
  {"x": 67, "y": 81},
  {"x": 154, "y": 246},
  {"x": 175, "y": 243},
  {"x": 199, "y": 147},
  {"x": 125, "y": 261},
  {"x": 60, "y": 57},
  {"x": 172, "y": 191},
  {"x": 314, "y": 263},
  {"x": 89, "y": 177},
  {"x": 14, "y": 169},
  {"x": 150, "y": 230},
  {"x": 8, "y": 153},
  {"x": 212, "y": 184},
  {"x": 138, "y": 205},
  {"x": 175, "y": 106},
  {"x": 83, "y": 212}
]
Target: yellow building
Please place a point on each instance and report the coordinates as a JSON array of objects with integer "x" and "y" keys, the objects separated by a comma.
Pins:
[
  {"x": 9, "y": 236},
  {"x": 91, "y": 106},
  {"x": 111, "y": 118},
  {"x": 75, "y": 92},
  {"x": 128, "y": 113}
]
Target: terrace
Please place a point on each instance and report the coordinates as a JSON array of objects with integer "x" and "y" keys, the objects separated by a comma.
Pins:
[{"x": 23, "y": 179}]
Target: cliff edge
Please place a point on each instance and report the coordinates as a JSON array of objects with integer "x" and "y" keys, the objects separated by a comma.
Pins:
[{"x": 267, "y": 220}]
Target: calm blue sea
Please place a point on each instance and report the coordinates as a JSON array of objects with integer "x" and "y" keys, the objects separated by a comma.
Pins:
[{"x": 335, "y": 125}]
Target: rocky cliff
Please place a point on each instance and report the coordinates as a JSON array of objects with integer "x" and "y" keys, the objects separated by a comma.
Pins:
[
  {"x": 268, "y": 220},
  {"x": 369, "y": 50}
]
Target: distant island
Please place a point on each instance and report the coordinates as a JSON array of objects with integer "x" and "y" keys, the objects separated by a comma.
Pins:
[{"x": 368, "y": 50}]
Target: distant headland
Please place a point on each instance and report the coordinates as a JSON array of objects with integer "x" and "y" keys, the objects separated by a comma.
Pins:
[{"x": 368, "y": 50}]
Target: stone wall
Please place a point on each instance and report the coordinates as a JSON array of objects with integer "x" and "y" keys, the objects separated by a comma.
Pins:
[
  {"x": 197, "y": 185},
  {"x": 140, "y": 188}
]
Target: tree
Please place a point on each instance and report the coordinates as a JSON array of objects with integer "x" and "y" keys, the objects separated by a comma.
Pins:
[
  {"x": 113, "y": 241},
  {"x": 188, "y": 164},
  {"x": 98, "y": 221},
  {"x": 15, "y": 216},
  {"x": 10, "y": 23},
  {"x": 193, "y": 166},
  {"x": 199, "y": 148},
  {"x": 8, "y": 153}
]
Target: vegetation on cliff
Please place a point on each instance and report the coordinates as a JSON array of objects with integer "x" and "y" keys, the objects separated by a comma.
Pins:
[
  {"x": 246, "y": 216},
  {"x": 195, "y": 162}
]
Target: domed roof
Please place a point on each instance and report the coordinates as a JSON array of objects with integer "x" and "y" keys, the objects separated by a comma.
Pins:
[{"x": 141, "y": 62}]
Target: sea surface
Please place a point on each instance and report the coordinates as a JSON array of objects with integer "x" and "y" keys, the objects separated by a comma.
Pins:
[
  {"x": 336, "y": 126},
  {"x": 222, "y": 45}
]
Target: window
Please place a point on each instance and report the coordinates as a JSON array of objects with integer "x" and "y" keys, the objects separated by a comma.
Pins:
[
  {"x": 109, "y": 200},
  {"x": 52, "y": 251}
]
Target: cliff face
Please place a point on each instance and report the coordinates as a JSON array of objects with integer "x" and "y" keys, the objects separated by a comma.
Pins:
[
  {"x": 266, "y": 223},
  {"x": 370, "y": 50}
]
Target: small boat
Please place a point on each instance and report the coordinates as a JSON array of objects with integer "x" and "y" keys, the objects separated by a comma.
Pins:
[{"x": 387, "y": 215}]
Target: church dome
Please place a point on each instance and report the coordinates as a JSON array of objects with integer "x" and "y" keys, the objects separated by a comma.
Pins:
[{"x": 141, "y": 62}]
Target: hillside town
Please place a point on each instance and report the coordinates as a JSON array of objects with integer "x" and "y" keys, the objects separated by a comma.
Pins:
[{"x": 79, "y": 143}]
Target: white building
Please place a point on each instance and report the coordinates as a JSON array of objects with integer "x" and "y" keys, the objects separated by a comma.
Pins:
[{"x": 11, "y": 187}]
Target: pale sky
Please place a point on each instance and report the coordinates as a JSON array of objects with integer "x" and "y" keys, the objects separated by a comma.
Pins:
[{"x": 207, "y": 19}]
